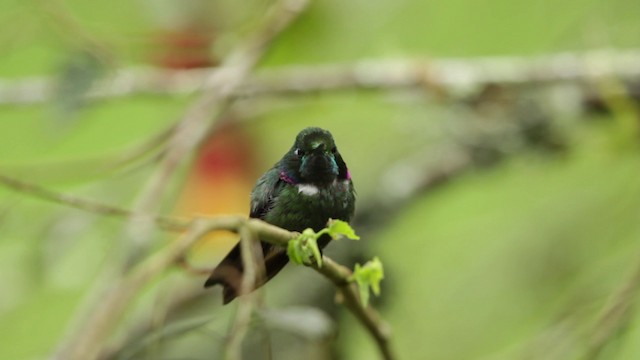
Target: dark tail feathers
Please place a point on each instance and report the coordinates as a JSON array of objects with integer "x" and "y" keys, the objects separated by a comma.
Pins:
[{"x": 230, "y": 270}]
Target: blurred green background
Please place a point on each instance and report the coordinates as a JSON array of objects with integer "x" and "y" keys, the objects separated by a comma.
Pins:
[{"x": 513, "y": 258}]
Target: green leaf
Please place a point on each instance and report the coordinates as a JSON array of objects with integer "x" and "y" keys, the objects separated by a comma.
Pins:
[
  {"x": 368, "y": 276},
  {"x": 301, "y": 249},
  {"x": 339, "y": 228}
]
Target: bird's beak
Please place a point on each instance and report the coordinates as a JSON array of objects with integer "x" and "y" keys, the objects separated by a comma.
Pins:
[{"x": 319, "y": 148}]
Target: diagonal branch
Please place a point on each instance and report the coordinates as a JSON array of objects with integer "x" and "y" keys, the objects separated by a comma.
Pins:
[
  {"x": 201, "y": 117},
  {"x": 86, "y": 340},
  {"x": 368, "y": 317}
]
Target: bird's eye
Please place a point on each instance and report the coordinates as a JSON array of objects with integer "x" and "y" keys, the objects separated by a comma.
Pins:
[
  {"x": 334, "y": 150},
  {"x": 299, "y": 153}
]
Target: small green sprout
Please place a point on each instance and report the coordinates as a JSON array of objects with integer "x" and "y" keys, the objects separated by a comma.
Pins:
[
  {"x": 368, "y": 276},
  {"x": 305, "y": 247}
]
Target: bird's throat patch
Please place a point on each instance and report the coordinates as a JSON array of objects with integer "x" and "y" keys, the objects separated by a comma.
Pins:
[{"x": 308, "y": 189}]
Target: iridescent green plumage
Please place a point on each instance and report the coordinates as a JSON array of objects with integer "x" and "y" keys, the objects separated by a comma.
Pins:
[{"x": 309, "y": 186}]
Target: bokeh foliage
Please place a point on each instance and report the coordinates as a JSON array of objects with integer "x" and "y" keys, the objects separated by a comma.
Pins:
[{"x": 514, "y": 261}]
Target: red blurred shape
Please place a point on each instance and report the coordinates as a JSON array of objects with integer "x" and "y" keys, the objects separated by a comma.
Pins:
[
  {"x": 184, "y": 49},
  {"x": 220, "y": 182}
]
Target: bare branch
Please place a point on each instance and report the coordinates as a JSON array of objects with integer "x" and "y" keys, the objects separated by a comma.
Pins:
[
  {"x": 164, "y": 222},
  {"x": 452, "y": 76},
  {"x": 368, "y": 317},
  {"x": 251, "y": 257}
]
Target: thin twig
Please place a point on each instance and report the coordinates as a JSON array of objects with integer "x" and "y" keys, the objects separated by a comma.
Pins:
[
  {"x": 251, "y": 256},
  {"x": 169, "y": 223}
]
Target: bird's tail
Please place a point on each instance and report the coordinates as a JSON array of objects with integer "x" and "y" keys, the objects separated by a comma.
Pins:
[{"x": 230, "y": 271}]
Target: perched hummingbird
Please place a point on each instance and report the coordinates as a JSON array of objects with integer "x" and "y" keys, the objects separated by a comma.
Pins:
[{"x": 308, "y": 186}]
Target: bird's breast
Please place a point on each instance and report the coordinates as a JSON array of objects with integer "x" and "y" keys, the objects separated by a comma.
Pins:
[{"x": 304, "y": 206}]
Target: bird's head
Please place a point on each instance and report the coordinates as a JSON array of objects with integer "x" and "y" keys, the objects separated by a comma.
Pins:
[{"x": 314, "y": 158}]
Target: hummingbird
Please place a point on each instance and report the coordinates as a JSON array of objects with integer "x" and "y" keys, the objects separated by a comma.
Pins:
[{"x": 308, "y": 186}]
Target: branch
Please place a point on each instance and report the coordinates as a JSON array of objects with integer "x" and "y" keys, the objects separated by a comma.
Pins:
[
  {"x": 339, "y": 275},
  {"x": 251, "y": 257},
  {"x": 370, "y": 319},
  {"x": 122, "y": 293},
  {"x": 164, "y": 222},
  {"x": 449, "y": 75},
  {"x": 336, "y": 273}
]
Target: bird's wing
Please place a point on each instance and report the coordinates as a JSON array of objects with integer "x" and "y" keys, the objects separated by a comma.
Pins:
[
  {"x": 264, "y": 193},
  {"x": 229, "y": 271},
  {"x": 262, "y": 199}
]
